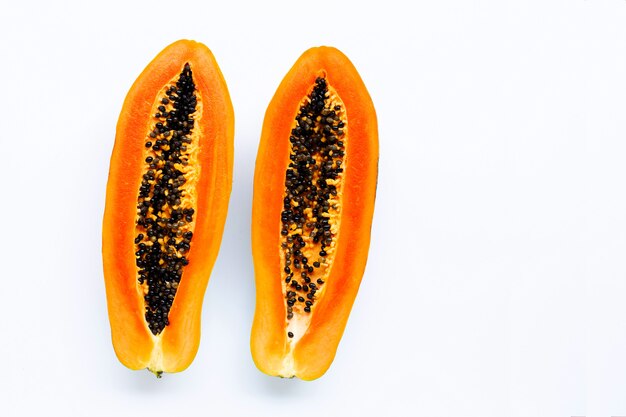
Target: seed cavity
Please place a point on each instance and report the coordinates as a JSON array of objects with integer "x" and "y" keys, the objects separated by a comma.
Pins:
[
  {"x": 165, "y": 213},
  {"x": 311, "y": 201}
]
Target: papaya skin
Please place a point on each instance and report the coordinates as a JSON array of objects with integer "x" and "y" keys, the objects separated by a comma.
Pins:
[
  {"x": 175, "y": 347},
  {"x": 272, "y": 350}
]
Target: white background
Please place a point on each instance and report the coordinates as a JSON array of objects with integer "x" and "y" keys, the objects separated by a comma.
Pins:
[{"x": 496, "y": 282}]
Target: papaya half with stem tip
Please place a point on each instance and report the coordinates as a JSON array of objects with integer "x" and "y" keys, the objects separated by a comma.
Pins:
[
  {"x": 166, "y": 202},
  {"x": 314, "y": 191}
]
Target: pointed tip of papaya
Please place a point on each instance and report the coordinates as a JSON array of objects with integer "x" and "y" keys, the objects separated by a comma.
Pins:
[
  {"x": 323, "y": 49},
  {"x": 157, "y": 374},
  {"x": 187, "y": 44}
]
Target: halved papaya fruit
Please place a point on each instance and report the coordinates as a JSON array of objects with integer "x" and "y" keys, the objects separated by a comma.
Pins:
[
  {"x": 166, "y": 202},
  {"x": 314, "y": 191}
]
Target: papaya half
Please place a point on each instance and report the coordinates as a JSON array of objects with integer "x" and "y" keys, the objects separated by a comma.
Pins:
[
  {"x": 314, "y": 191},
  {"x": 166, "y": 202}
]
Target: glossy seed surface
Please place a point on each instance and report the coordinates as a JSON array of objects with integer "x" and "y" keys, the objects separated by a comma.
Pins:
[
  {"x": 165, "y": 213},
  {"x": 312, "y": 197}
]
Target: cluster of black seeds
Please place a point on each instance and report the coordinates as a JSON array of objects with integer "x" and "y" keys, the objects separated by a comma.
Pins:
[
  {"x": 317, "y": 151},
  {"x": 164, "y": 238}
]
